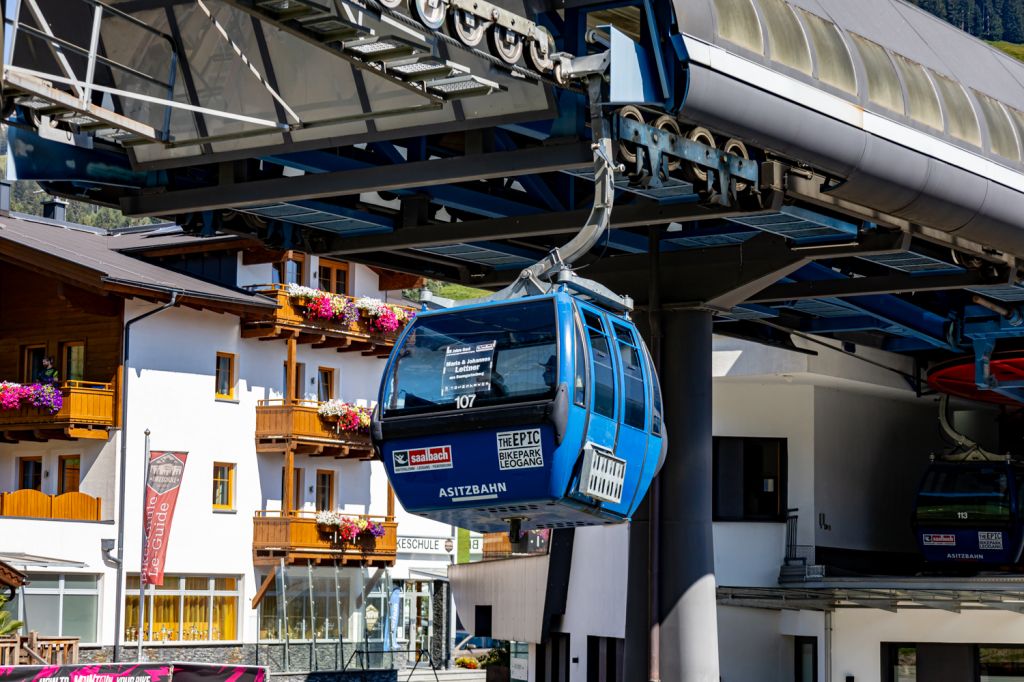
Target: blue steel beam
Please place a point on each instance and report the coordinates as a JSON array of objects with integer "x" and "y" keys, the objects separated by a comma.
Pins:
[
  {"x": 459, "y": 198},
  {"x": 917, "y": 322}
]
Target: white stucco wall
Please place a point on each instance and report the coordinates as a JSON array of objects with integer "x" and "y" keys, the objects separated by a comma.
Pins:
[
  {"x": 857, "y": 634},
  {"x": 870, "y": 454}
]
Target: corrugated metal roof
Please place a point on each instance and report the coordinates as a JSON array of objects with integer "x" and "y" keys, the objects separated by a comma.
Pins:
[{"x": 98, "y": 252}]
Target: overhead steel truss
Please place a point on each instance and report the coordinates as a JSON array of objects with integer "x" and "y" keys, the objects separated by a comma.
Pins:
[{"x": 368, "y": 41}]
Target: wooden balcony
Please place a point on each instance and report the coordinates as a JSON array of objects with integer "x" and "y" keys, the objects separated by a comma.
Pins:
[
  {"x": 34, "y": 504},
  {"x": 297, "y": 538},
  {"x": 297, "y": 425},
  {"x": 291, "y": 320},
  {"x": 88, "y": 412}
]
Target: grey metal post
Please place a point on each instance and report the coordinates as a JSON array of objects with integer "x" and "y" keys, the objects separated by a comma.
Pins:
[
  {"x": 283, "y": 609},
  {"x": 142, "y": 553},
  {"x": 689, "y": 629},
  {"x": 338, "y": 648},
  {"x": 312, "y": 616}
]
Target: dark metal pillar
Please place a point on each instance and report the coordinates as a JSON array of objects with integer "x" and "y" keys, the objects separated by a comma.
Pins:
[{"x": 687, "y": 610}]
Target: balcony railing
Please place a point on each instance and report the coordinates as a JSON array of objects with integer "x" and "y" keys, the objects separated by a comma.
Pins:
[
  {"x": 283, "y": 424},
  {"x": 34, "y": 649},
  {"x": 34, "y": 504},
  {"x": 293, "y": 315},
  {"x": 88, "y": 412},
  {"x": 296, "y": 537}
]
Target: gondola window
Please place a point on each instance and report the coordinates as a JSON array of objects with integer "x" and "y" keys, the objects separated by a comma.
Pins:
[{"x": 496, "y": 355}]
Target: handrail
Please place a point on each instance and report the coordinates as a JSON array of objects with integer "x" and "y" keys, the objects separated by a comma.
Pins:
[
  {"x": 283, "y": 288},
  {"x": 81, "y": 384},
  {"x": 297, "y": 402},
  {"x": 277, "y": 513}
]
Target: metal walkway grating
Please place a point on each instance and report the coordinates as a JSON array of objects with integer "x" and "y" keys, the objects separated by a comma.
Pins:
[
  {"x": 913, "y": 263},
  {"x": 800, "y": 225}
]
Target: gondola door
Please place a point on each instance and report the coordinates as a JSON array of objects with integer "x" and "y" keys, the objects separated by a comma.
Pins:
[
  {"x": 604, "y": 386},
  {"x": 632, "y": 441}
]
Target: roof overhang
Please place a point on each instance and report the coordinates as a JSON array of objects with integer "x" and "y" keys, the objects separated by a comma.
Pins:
[{"x": 952, "y": 595}]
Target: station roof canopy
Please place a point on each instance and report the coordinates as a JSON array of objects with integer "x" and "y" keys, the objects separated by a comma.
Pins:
[{"x": 998, "y": 593}]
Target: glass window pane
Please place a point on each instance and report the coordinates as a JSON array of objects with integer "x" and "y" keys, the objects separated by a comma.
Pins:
[
  {"x": 1001, "y": 663},
  {"x": 831, "y": 54},
  {"x": 166, "y": 617},
  {"x": 883, "y": 85},
  {"x": 1000, "y": 130},
  {"x": 201, "y": 584},
  {"x": 634, "y": 386},
  {"x": 41, "y": 613},
  {"x": 604, "y": 376},
  {"x": 31, "y": 473},
  {"x": 79, "y": 616},
  {"x": 580, "y": 381},
  {"x": 498, "y": 354},
  {"x": 656, "y": 400},
  {"x": 223, "y": 375},
  {"x": 960, "y": 116},
  {"x": 906, "y": 665},
  {"x": 225, "y": 584},
  {"x": 82, "y": 582},
  {"x": 786, "y": 39},
  {"x": 951, "y": 492},
  {"x": 221, "y": 487},
  {"x": 1018, "y": 121},
  {"x": 737, "y": 23},
  {"x": 70, "y": 474},
  {"x": 225, "y": 618},
  {"x": 131, "y": 617},
  {"x": 42, "y": 580},
  {"x": 74, "y": 361},
  {"x": 196, "y": 618},
  {"x": 923, "y": 102},
  {"x": 171, "y": 582}
]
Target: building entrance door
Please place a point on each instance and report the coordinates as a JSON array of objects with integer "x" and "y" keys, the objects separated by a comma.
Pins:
[
  {"x": 417, "y": 618},
  {"x": 805, "y": 662}
]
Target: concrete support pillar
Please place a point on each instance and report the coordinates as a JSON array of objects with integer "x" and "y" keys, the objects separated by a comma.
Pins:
[{"x": 687, "y": 609}]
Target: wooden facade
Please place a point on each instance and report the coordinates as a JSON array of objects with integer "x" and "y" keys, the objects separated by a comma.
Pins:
[
  {"x": 290, "y": 321},
  {"x": 74, "y": 506},
  {"x": 297, "y": 538},
  {"x": 40, "y": 314}
]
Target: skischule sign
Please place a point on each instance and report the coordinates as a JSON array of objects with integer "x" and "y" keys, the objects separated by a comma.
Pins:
[{"x": 421, "y": 544}]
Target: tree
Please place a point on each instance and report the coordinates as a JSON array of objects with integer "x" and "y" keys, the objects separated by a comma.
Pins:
[{"x": 8, "y": 626}]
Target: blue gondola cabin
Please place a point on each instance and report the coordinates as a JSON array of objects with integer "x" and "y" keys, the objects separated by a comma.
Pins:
[{"x": 542, "y": 411}]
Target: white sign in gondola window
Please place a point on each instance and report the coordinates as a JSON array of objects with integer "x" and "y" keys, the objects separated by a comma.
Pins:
[{"x": 467, "y": 368}]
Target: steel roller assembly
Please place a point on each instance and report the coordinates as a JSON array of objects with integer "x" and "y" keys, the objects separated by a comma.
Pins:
[
  {"x": 656, "y": 150},
  {"x": 509, "y": 36}
]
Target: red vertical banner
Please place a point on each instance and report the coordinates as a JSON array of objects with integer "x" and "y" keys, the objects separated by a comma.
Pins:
[{"x": 162, "y": 484}]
